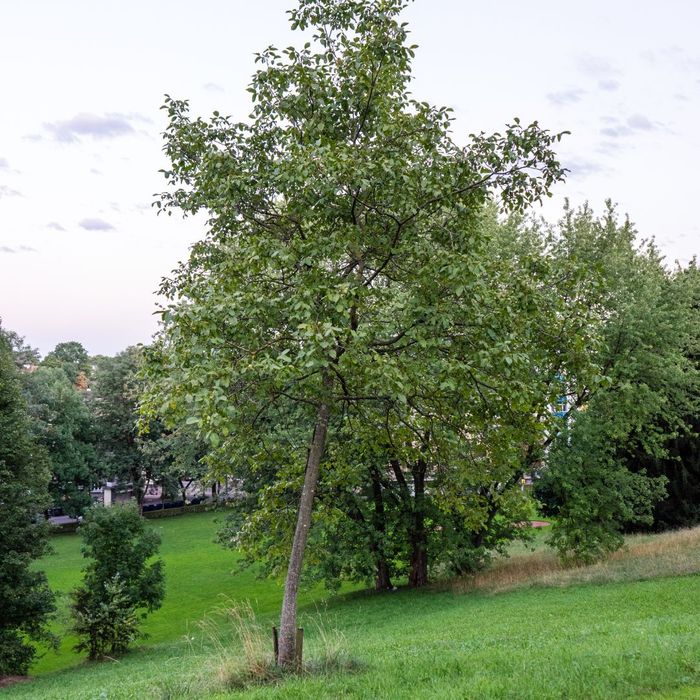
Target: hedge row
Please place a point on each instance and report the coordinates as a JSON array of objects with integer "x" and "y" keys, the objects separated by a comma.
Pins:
[
  {"x": 181, "y": 510},
  {"x": 160, "y": 513}
]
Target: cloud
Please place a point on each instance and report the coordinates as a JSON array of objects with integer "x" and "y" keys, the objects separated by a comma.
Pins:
[
  {"x": 20, "y": 249},
  {"x": 213, "y": 87},
  {"x": 95, "y": 225},
  {"x": 566, "y": 97},
  {"x": 55, "y": 226},
  {"x": 6, "y": 191},
  {"x": 584, "y": 168},
  {"x": 109, "y": 126},
  {"x": 616, "y": 132},
  {"x": 596, "y": 66},
  {"x": 95, "y": 171},
  {"x": 635, "y": 122},
  {"x": 674, "y": 55},
  {"x": 4, "y": 165},
  {"x": 608, "y": 148},
  {"x": 609, "y": 85},
  {"x": 639, "y": 121}
]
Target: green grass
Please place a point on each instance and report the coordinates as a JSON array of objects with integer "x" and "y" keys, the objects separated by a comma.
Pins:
[
  {"x": 199, "y": 575},
  {"x": 617, "y": 639}
]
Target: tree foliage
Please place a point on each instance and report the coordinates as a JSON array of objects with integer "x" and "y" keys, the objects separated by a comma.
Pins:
[
  {"x": 120, "y": 581},
  {"x": 26, "y": 602},
  {"x": 341, "y": 280},
  {"x": 645, "y": 391},
  {"x": 23, "y": 354},
  {"x": 677, "y": 425},
  {"x": 71, "y": 357},
  {"x": 139, "y": 456},
  {"x": 63, "y": 424}
]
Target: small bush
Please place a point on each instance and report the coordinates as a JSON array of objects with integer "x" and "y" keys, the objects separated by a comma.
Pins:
[
  {"x": 120, "y": 582},
  {"x": 105, "y": 620}
]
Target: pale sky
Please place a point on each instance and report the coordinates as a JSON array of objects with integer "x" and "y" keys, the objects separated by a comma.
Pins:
[{"x": 81, "y": 250}]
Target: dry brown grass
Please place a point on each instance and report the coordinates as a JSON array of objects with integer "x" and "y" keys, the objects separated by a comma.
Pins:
[{"x": 643, "y": 556}]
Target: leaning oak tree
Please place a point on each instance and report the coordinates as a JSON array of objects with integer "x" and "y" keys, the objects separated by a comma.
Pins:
[{"x": 342, "y": 224}]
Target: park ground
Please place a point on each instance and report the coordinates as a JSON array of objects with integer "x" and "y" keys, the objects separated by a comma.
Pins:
[{"x": 525, "y": 629}]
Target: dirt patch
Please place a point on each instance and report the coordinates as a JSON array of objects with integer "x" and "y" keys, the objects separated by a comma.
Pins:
[{"x": 539, "y": 523}]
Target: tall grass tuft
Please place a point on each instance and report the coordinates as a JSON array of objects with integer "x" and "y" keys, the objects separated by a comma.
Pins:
[
  {"x": 239, "y": 648},
  {"x": 233, "y": 651}
]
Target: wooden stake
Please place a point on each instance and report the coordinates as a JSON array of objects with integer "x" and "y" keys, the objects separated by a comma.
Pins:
[
  {"x": 275, "y": 643},
  {"x": 299, "y": 648}
]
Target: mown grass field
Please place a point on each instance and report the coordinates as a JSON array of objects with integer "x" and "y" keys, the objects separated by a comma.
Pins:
[
  {"x": 200, "y": 574},
  {"x": 527, "y": 630}
]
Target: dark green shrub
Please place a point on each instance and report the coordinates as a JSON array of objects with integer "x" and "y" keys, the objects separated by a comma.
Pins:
[
  {"x": 26, "y": 602},
  {"x": 121, "y": 583},
  {"x": 105, "y": 621}
]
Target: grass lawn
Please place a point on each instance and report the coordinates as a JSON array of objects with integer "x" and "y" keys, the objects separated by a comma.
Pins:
[
  {"x": 613, "y": 639},
  {"x": 200, "y": 574}
]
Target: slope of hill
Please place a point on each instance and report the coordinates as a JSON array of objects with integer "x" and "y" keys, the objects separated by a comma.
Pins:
[{"x": 527, "y": 629}]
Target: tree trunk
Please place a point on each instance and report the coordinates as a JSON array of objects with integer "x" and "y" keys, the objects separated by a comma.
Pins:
[
  {"x": 140, "y": 492},
  {"x": 382, "y": 578},
  {"x": 418, "y": 575},
  {"x": 288, "y": 620}
]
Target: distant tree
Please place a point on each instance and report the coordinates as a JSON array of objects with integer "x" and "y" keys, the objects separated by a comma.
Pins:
[
  {"x": 679, "y": 459},
  {"x": 72, "y": 358},
  {"x": 23, "y": 354},
  {"x": 63, "y": 424},
  {"x": 121, "y": 582},
  {"x": 26, "y": 602},
  {"x": 139, "y": 455},
  {"x": 114, "y": 403},
  {"x": 175, "y": 458},
  {"x": 647, "y": 390}
]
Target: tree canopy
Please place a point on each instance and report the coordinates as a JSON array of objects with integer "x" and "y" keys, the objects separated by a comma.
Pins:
[
  {"x": 341, "y": 278},
  {"x": 63, "y": 424},
  {"x": 26, "y": 602}
]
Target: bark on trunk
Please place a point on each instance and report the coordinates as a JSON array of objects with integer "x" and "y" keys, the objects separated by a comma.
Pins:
[
  {"x": 418, "y": 575},
  {"x": 382, "y": 580},
  {"x": 288, "y": 620},
  {"x": 140, "y": 494}
]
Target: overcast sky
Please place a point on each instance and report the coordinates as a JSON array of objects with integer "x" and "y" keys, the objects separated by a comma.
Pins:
[{"x": 81, "y": 250}]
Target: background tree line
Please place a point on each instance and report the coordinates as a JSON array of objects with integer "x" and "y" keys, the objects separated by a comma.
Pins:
[
  {"x": 49, "y": 451},
  {"x": 83, "y": 411}
]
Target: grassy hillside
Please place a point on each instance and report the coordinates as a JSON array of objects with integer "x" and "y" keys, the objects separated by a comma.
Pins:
[
  {"x": 199, "y": 575},
  {"x": 534, "y": 632}
]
